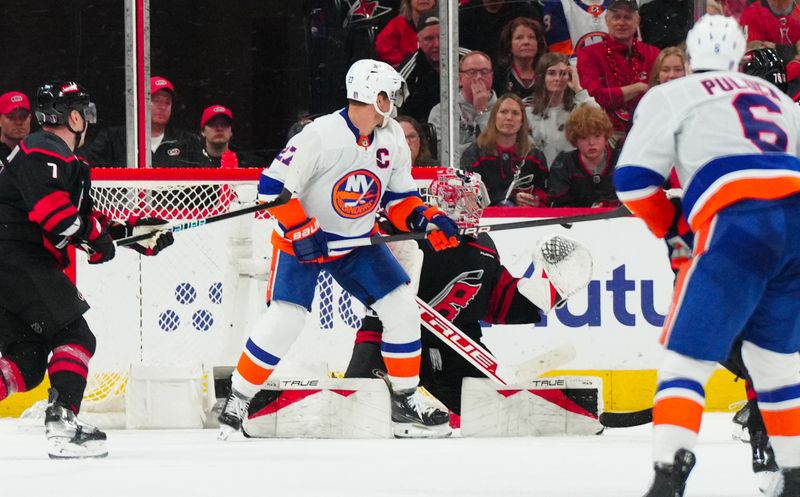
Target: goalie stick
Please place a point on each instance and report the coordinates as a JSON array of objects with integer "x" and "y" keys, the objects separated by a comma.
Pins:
[
  {"x": 621, "y": 211},
  {"x": 284, "y": 197},
  {"x": 626, "y": 419},
  {"x": 482, "y": 359}
]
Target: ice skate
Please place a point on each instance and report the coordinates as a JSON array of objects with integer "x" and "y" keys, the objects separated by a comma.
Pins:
[
  {"x": 415, "y": 416},
  {"x": 670, "y": 479},
  {"x": 69, "y": 437},
  {"x": 786, "y": 483},
  {"x": 230, "y": 421}
]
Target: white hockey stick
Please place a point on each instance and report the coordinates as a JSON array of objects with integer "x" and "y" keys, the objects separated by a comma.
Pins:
[{"x": 482, "y": 359}]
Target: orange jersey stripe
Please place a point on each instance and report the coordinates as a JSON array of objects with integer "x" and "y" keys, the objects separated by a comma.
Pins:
[
  {"x": 656, "y": 211},
  {"x": 251, "y": 371},
  {"x": 744, "y": 189},
  {"x": 783, "y": 423},
  {"x": 678, "y": 411},
  {"x": 405, "y": 367}
]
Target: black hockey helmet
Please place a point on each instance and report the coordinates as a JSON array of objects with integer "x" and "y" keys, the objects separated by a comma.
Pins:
[
  {"x": 765, "y": 64},
  {"x": 55, "y": 100}
]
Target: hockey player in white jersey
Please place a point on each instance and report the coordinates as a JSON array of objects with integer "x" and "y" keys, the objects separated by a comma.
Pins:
[
  {"x": 340, "y": 170},
  {"x": 733, "y": 140}
]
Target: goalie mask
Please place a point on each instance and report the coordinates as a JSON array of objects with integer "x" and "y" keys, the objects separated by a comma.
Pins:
[
  {"x": 367, "y": 78},
  {"x": 461, "y": 195}
]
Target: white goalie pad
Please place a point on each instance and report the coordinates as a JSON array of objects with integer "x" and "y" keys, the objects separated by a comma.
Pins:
[
  {"x": 563, "y": 405},
  {"x": 329, "y": 408}
]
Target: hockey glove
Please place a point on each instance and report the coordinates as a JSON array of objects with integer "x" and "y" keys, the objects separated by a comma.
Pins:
[
  {"x": 679, "y": 237},
  {"x": 445, "y": 237},
  {"x": 135, "y": 226},
  {"x": 95, "y": 240},
  {"x": 309, "y": 242}
]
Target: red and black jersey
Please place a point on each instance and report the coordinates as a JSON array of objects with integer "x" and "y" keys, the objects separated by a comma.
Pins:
[
  {"x": 468, "y": 284},
  {"x": 44, "y": 194}
]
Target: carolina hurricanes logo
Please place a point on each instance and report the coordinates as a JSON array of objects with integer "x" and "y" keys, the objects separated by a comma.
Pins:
[
  {"x": 356, "y": 194},
  {"x": 363, "y": 11},
  {"x": 458, "y": 294}
]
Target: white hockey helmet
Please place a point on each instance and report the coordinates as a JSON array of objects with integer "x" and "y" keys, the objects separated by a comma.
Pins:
[
  {"x": 461, "y": 195},
  {"x": 715, "y": 43},
  {"x": 367, "y": 78}
]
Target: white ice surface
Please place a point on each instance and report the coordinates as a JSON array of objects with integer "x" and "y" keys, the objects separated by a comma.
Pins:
[{"x": 193, "y": 463}]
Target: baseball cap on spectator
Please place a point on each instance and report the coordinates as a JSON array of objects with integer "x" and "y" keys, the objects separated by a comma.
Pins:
[
  {"x": 623, "y": 5},
  {"x": 213, "y": 111},
  {"x": 13, "y": 100},
  {"x": 428, "y": 18},
  {"x": 158, "y": 83}
]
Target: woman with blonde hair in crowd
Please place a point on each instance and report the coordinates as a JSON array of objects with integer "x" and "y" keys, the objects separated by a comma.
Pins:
[
  {"x": 556, "y": 93},
  {"x": 670, "y": 64},
  {"x": 398, "y": 39},
  {"x": 583, "y": 177},
  {"x": 521, "y": 45},
  {"x": 513, "y": 170},
  {"x": 417, "y": 142}
]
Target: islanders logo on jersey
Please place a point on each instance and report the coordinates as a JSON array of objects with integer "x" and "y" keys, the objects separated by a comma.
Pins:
[{"x": 356, "y": 194}]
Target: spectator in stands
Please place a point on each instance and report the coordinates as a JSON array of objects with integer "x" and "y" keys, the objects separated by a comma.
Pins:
[
  {"x": 15, "y": 120},
  {"x": 670, "y": 64},
  {"x": 574, "y": 23},
  {"x": 521, "y": 45},
  {"x": 398, "y": 40},
  {"x": 475, "y": 99},
  {"x": 513, "y": 170},
  {"x": 170, "y": 147},
  {"x": 417, "y": 141},
  {"x": 421, "y": 70},
  {"x": 556, "y": 93},
  {"x": 729, "y": 8},
  {"x": 582, "y": 177},
  {"x": 481, "y": 22},
  {"x": 616, "y": 70},
  {"x": 775, "y": 22},
  {"x": 216, "y": 129}
]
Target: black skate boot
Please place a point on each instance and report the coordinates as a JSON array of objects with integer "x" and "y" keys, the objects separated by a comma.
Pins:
[
  {"x": 233, "y": 414},
  {"x": 740, "y": 422},
  {"x": 415, "y": 416},
  {"x": 670, "y": 479},
  {"x": 763, "y": 455},
  {"x": 69, "y": 437}
]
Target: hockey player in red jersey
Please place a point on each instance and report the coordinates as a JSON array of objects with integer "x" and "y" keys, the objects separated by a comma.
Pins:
[
  {"x": 468, "y": 284},
  {"x": 46, "y": 205},
  {"x": 339, "y": 170}
]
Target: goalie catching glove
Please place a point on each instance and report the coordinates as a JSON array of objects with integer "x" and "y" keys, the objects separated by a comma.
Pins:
[
  {"x": 136, "y": 226},
  {"x": 563, "y": 267}
]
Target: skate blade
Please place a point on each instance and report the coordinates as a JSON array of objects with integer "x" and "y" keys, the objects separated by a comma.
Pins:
[
  {"x": 768, "y": 481},
  {"x": 89, "y": 450},
  {"x": 412, "y": 430},
  {"x": 225, "y": 431}
]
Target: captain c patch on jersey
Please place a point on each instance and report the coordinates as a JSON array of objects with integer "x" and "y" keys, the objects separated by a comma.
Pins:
[{"x": 356, "y": 194}]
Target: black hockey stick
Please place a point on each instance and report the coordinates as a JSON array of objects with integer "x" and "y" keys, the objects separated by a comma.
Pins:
[
  {"x": 284, "y": 197},
  {"x": 566, "y": 221},
  {"x": 626, "y": 419}
]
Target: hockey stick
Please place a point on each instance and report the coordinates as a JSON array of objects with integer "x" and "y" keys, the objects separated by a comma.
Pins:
[
  {"x": 621, "y": 211},
  {"x": 284, "y": 197},
  {"x": 482, "y": 359},
  {"x": 626, "y": 419}
]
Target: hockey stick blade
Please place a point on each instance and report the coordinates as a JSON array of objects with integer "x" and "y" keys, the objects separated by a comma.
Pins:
[
  {"x": 284, "y": 197},
  {"x": 626, "y": 419},
  {"x": 621, "y": 211},
  {"x": 546, "y": 361}
]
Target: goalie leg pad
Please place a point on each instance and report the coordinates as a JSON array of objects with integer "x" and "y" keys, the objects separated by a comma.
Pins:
[
  {"x": 345, "y": 408},
  {"x": 563, "y": 405}
]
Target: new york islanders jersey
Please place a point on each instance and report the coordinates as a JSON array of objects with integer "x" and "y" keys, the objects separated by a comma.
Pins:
[
  {"x": 340, "y": 177},
  {"x": 730, "y": 137},
  {"x": 571, "y": 24}
]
